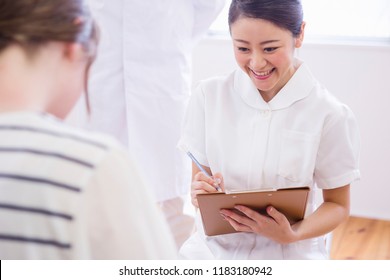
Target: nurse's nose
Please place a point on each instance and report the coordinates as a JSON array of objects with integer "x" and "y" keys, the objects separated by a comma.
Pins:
[{"x": 257, "y": 61}]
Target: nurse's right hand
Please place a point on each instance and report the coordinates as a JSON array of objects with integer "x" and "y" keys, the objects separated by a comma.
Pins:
[{"x": 202, "y": 183}]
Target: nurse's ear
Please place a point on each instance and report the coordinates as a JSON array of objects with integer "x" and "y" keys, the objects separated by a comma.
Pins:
[{"x": 299, "y": 38}]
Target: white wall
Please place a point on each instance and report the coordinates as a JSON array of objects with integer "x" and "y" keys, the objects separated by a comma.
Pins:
[{"x": 360, "y": 77}]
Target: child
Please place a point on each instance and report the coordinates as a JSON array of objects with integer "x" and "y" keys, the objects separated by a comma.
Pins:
[{"x": 64, "y": 194}]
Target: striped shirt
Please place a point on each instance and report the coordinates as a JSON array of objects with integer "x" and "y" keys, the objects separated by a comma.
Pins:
[{"x": 68, "y": 194}]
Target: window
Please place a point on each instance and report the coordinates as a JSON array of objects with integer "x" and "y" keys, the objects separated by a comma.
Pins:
[{"x": 356, "y": 19}]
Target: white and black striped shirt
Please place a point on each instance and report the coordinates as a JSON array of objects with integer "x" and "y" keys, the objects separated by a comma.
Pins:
[{"x": 67, "y": 194}]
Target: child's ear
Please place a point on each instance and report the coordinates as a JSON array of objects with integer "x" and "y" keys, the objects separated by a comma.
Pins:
[
  {"x": 73, "y": 51},
  {"x": 299, "y": 38}
]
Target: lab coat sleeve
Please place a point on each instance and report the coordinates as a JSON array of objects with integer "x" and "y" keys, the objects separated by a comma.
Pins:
[
  {"x": 193, "y": 133},
  {"x": 205, "y": 12},
  {"x": 122, "y": 218},
  {"x": 337, "y": 161}
]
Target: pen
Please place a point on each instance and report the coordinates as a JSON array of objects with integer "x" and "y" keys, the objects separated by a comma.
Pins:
[{"x": 201, "y": 167}]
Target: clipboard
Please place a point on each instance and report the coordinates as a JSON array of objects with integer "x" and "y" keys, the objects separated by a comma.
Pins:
[{"x": 290, "y": 201}]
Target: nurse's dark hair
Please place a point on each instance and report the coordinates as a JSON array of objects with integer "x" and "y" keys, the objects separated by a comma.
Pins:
[
  {"x": 286, "y": 14},
  {"x": 33, "y": 23}
]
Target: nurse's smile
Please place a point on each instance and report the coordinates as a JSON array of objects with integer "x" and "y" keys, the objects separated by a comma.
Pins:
[{"x": 264, "y": 75}]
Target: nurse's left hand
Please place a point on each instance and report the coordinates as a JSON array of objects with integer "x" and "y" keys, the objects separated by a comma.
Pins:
[{"x": 275, "y": 227}]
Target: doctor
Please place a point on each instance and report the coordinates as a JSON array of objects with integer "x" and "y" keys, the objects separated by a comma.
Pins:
[{"x": 140, "y": 85}]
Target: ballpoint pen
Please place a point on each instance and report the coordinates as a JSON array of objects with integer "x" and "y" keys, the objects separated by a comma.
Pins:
[{"x": 201, "y": 168}]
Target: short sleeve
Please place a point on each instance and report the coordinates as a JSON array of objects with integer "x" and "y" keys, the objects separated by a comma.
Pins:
[
  {"x": 193, "y": 130},
  {"x": 337, "y": 162}
]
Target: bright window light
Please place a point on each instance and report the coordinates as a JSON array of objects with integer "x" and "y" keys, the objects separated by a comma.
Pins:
[{"x": 346, "y": 19}]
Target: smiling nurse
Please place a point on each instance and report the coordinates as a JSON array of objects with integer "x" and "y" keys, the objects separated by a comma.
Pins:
[
  {"x": 270, "y": 124},
  {"x": 265, "y": 52}
]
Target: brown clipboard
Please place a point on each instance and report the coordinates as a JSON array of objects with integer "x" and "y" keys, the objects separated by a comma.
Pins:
[{"x": 291, "y": 202}]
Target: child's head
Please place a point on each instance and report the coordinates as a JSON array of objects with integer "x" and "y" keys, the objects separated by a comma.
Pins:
[
  {"x": 32, "y": 23},
  {"x": 286, "y": 14}
]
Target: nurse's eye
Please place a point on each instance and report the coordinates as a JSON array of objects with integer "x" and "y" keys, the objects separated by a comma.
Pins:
[
  {"x": 241, "y": 49},
  {"x": 270, "y": 50}
]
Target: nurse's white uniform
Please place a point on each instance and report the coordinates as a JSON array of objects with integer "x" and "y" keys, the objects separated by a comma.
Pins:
[{"x": 303, "y": 137}]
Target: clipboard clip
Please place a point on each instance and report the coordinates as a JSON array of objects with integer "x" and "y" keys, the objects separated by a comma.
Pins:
[{"x": 250, "y": 191}]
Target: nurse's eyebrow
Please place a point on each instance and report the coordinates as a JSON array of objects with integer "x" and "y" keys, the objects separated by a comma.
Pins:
[{"x": 261, "y": 43}]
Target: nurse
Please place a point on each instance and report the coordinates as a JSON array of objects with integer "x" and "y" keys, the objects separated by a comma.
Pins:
[{"x": 270, "y": 124}]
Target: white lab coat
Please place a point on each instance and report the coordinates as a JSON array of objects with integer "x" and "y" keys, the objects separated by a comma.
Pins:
[{"x": 140, "y": 83}]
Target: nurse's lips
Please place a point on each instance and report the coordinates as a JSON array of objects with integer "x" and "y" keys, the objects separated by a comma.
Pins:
[{"x": 262, "y": 75}]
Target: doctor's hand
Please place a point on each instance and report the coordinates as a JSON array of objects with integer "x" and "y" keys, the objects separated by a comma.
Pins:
[
  {"x": 275, "y": 227},
  {"x": 202, "y": 183}
]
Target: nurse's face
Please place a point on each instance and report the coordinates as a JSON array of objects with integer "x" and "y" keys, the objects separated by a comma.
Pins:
[{"x": 266, "y": 53}]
